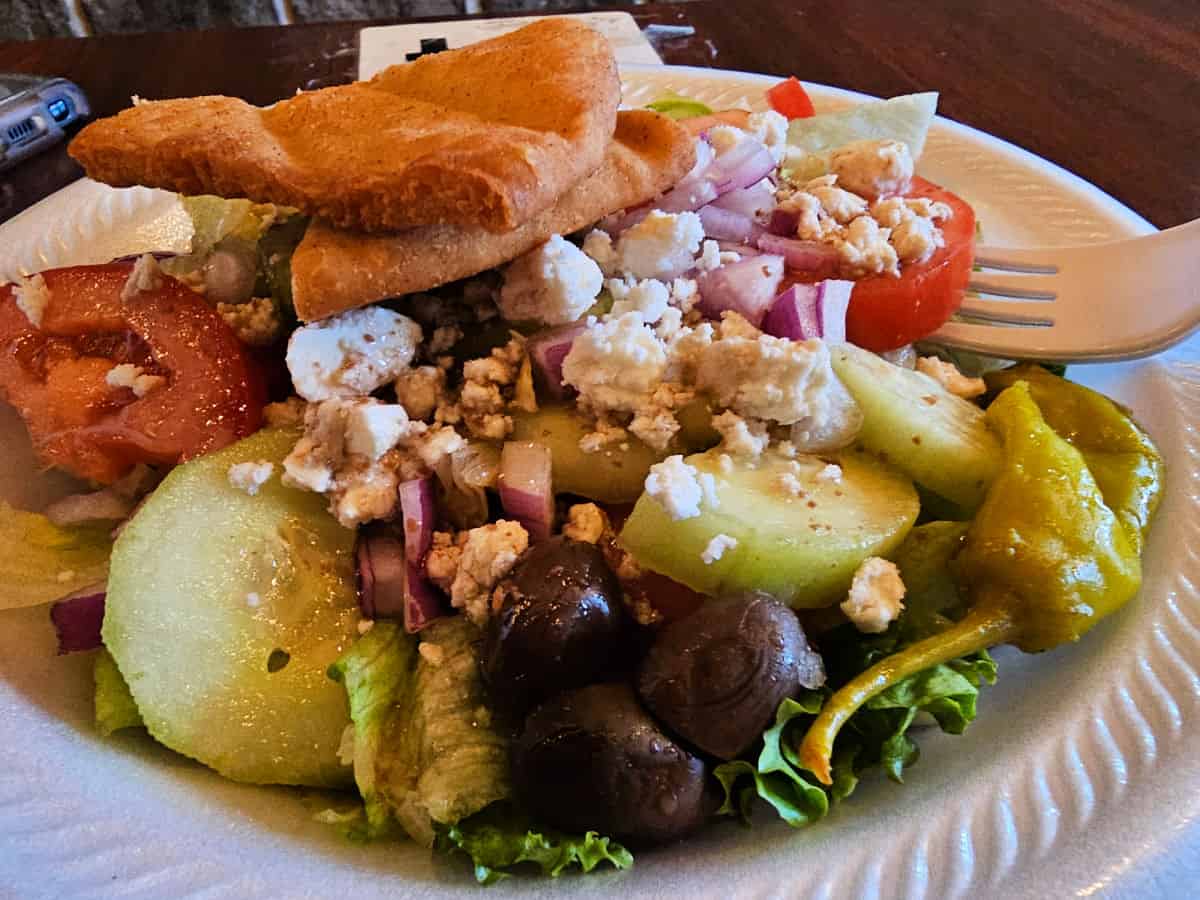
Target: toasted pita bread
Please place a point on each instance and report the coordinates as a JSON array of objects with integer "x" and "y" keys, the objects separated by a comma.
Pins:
[
  {"x": 489, "y": 135},
  {"x": 335, "y": 270}
]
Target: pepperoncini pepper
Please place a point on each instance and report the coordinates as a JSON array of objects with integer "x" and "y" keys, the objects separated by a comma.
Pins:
[{"x": 1045, "y": 558}]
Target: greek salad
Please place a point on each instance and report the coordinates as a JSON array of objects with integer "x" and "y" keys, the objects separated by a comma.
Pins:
[{"x": 659, "y": 522}]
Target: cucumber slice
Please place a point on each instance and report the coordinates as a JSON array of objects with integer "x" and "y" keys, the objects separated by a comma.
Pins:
[
  {"x": 906, "y": 118},
  {"x": 223, "y": 613},
  {"x": 611, "y": 475},
  {"x": 802, "y": 549},
  {"x": 939, "y": 440}
]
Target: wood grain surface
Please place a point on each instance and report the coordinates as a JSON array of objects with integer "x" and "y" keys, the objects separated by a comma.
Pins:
[{"x": 1108, "y": 89}]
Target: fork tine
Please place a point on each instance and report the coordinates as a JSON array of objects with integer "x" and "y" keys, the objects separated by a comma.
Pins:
[
  {"x": 1008, "y": 312},
  {"x": 1011, "y": 343},
  {"x": 1020, "y": 287},
  {"x": 1016, "y": 259}
]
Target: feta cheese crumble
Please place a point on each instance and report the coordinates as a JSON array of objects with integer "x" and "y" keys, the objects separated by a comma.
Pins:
[
  {"x": 145, "y": 276},
  {"x": 662, "y": 245},
  {"x": 648, "y": 298},
  {"x": 256, "y": 322},
  {"x": 249, "y": 477},
  {"x": 875, "y": 596},
  {"x": 554, "y": 283},
  {"x": 489, "y": 553},
  {"x": 127, "y": 375},
  {"x": 873, "y": 168},
  {"x": 32, "y": 297},
  {"x": 420, "y": 389},
  {"x": 716, "y": 548},
  {"x": 585, "y": 522},
  {"x": 680, "y": 488},
  {"x": 615, "y": 364},
  {"x": 351, "y": 354}
]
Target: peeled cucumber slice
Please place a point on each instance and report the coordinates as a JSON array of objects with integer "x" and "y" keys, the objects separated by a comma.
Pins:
[
  {"x": 611, "y": 475},
  {"x": 225, "y": 610},
  {"x": 906, "y": 118},
  {"x": 801, "y": 548},
  {"x": 939, "y": 440}
]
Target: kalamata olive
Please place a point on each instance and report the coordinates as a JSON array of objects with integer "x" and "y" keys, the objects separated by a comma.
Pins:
[
  {"x": 558, "y": 626},
  {"x": 593, "y": 759},
  {"x": 717, "y": 676}
]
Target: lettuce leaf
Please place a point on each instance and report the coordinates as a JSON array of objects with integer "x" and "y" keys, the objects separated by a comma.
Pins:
[
  {"x": 499, "y": 839},
  {"x": 115, "y": 708},
  {"x": 876, "y": 736},
  {"x": 42, "y": 562},
  {"x": 377, "y": 672}
]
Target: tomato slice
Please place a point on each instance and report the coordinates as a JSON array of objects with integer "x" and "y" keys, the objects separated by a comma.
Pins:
[
  {"x": 789, "y": 99},
  {"x": 886, "y": 312},
  {"x": 55, "y": 375}
]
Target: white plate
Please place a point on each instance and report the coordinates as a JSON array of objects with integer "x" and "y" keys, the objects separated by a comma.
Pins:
[{"x": 1079, "y": 776}]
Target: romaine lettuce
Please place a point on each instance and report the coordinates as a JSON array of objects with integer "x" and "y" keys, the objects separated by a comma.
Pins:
[
  {"x": 498, "y": 839},
  {"x": 377, "y": 672},
  {"x": 42, "y": 562}
]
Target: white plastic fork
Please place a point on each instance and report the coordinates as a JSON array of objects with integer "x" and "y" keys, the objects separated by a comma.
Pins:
[{"x": 1095, "y": 303}]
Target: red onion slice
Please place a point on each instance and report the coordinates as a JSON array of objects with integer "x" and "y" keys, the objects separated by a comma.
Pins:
[
  {"x": 422, "y": 603},
  {"x": 747, "y": 162},
  {"x": 548, "y": 349},
  {"x": 380, "y": 569},
  {"x": 742, "y": 250},
  {"x": 416, "y": 509},
  {"x": 726, "y": 225},
  {"x": 754, "y": 202},
  {"x": 811, "y": 257},
  {"x": 748, "y": 287},
  {"x": 526, "y": 486},
  {"x": 77, "y": 622},
  {"x": 806, "y": 311},
  {"x": 617, "y": 222},
  {"x": 688, "y": 196}
]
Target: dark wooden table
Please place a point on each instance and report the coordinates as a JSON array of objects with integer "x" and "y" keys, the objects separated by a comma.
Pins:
[{"x": 1108, "y": 89}]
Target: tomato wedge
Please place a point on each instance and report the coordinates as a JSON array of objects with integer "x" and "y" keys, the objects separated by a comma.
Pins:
[
  {"x": 55, "y": 375},
  {"x": 886, "y": 312},
  {"x": 789, "y": 99}
]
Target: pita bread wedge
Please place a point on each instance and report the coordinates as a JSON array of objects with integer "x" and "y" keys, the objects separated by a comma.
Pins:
[
  {"x": 335, "y": 270},
  {"x": 489, "y": 135}
]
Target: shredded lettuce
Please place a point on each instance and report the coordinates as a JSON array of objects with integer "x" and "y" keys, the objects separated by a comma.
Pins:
[
  {"x": 115, "y": 708},
  {"x": 498, "y": 839},
  {"x": 42, "y": 562},
  {"x": 377, "y": 672}
]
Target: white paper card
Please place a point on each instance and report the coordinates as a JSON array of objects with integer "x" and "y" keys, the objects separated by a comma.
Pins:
[{"x": 386, "y": 45}]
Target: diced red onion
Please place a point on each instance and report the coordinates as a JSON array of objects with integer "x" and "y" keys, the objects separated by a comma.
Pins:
[
  {"x": 229, "y": 274},
  {"x": 548, "y": 349},
  {"x": 748, "y": 287},
  {"x": 416, "y": 510},
  {"x": 617, "y": 222},
  {"x": 806, "y": 311},
  {"x": 747, "y": 162},
  {"x": 526, "y": 486},
  {"x": 726, "y": 225},
  {"x": 688, "y": 196},
  {"x": 381, "y": 570},
  {"x": 77, "y": 622},
  {"x": 754, "y": 202},
  {"x": 742, "y": 250},
  {"x": 783, "y": 223},
  {"x": 422, "y": 603},
  {"x": 804, "y": 256}
]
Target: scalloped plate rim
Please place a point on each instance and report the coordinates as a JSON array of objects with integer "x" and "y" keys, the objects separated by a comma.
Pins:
[{"x": 983, "y": 846}]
